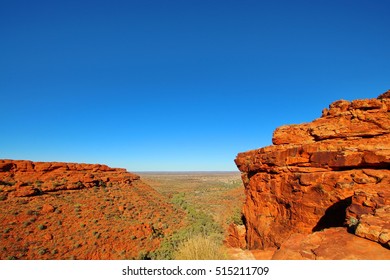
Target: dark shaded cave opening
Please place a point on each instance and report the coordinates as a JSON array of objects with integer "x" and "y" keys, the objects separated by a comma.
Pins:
[
  {"x": 334, "y": 216},
  {"x": 243, "y": 219}
]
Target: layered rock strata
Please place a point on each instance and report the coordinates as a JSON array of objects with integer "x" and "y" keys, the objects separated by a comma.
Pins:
[
  {"x": 23, "y": 178},
  {"x": 331, "y": 172}
]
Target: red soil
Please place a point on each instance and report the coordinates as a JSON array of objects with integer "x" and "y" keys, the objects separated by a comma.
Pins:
[{"x": 79, "y": 211}]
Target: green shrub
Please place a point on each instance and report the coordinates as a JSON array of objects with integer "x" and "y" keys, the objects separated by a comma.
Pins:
[
  {"x": 7, "y": 183},
  {"x": 42, "y": 251},
  {"x": 199, "y": 224},
  {"x": 237, "y": 217},
  {"x": 42, "y": 227},
  {"x": 38, "y": 183},
  {"x": 7, "y": 230},
  {"x": 143, "y": 255}
]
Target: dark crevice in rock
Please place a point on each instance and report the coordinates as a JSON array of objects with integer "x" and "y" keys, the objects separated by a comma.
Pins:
[
  {"x": 344, "y": 137},
  {"x": 251, "y": 173},
  {"x": 368, "y": 136},
  {"x": 334, "y": 215},
  {"x": 6, "y": 167},
  {"x": 379, "y": 165}
]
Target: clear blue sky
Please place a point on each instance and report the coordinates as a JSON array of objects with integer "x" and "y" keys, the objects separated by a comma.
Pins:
[{"x": 178, "y": 85}]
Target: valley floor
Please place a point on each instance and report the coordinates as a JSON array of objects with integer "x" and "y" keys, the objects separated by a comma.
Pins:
[{"x": 219, "y": 194}]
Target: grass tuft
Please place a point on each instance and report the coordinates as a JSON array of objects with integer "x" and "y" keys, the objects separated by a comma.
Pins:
[{"x": 200, "y": 248}]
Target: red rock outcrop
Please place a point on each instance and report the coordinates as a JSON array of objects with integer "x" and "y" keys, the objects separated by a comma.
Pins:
[
  {"x": 327, "y": 244},
  {"x": 331, "y": 172},
  {"x": 236, "y": 236},
  {"x": 27, "y": 178},
  {"x": 376, "y": 226},
  {"x": 51, "y": 210}
]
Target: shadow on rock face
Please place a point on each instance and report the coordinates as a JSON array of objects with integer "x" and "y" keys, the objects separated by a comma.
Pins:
[{"x": 334, "y": 215}]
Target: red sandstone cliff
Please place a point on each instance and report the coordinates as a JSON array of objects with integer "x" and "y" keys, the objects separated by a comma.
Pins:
[
  {"x": 52, "y": 210},
  {"x": 27, "y": 178},
  {"x": 332, "y": 172}
]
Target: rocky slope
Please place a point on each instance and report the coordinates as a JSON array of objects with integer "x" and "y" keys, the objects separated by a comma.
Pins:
[
  {"x": 51, "y": 210},
  {"x": 332, "y": 172}
]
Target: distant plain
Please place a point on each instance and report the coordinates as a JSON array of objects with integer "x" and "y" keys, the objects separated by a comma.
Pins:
[{"x": 219, "y": 194}]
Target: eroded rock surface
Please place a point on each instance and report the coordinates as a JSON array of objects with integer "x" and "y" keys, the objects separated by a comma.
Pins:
[
  {"x": 26, "y": 178},
  {"x": 330, "y": 244},
  {"x": 376, "y": 226},
  {"x": 236, "y": 236},
  {"x": 332, "y": 172}
]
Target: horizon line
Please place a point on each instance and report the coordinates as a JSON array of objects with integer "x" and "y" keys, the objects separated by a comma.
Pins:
[{"x": 186, "y": 171}]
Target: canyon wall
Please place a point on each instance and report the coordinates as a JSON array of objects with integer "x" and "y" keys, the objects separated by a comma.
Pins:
[{"x": 331, "y": 172}]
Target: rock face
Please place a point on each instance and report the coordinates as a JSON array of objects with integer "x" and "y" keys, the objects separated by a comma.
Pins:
[
  {"x": 235, "y": 236},
  {"x": 27, "y": 178},
  {"x": 51, "y": 210},
  {"x": 332, "y": 172},
  {"x": 327, "y": 244}
]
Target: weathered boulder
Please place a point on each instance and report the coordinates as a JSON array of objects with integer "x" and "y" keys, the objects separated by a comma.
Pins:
[{"x": 376, "y": 226}]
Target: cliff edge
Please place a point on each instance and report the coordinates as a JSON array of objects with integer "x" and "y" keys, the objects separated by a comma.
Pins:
[
  {"x": 329, "y": 173},
  {"x": 56, "y": 210}
]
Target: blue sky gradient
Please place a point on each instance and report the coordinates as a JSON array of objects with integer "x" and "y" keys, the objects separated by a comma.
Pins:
[{"x": 178, "y": 85}]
